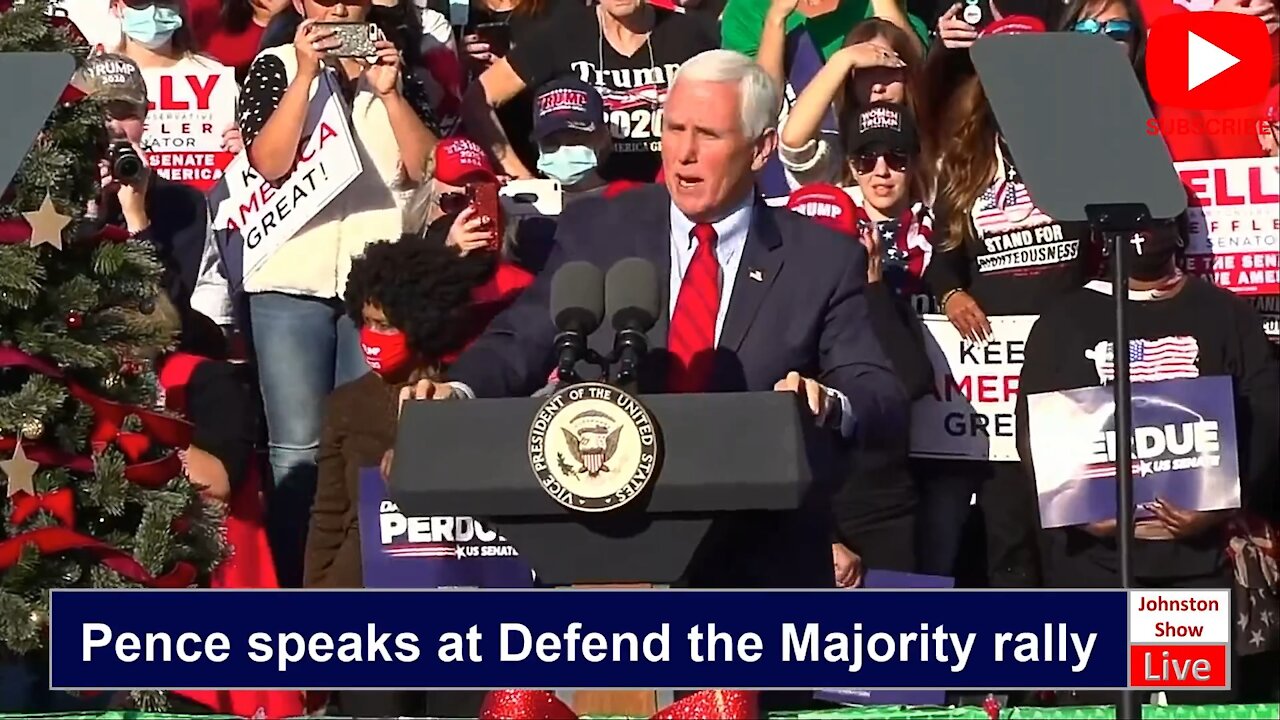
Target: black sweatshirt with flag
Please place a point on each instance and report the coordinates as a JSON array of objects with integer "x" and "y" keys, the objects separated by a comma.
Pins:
[
  {"x": 1227, "y": 335},
  {"x": 1018, "y": 259}
]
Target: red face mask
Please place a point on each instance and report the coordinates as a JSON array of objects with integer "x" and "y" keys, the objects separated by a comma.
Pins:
[{"x": 386, "y": 353}]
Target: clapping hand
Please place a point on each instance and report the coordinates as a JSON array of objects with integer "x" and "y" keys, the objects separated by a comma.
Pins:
[{"x": 956, "y": 34}]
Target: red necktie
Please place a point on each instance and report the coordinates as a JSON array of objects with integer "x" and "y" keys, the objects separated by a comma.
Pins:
[{"x": 691, "y": 339}]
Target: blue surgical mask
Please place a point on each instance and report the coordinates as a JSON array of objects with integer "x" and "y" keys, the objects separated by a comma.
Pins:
[
  {"x": 152, "y": 25},
  {"x": 568, "y": 164}
]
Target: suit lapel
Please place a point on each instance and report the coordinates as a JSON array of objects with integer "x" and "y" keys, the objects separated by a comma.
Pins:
[
  {"x": 761, "y": 261},
  {"x": 653, "y": 243}
]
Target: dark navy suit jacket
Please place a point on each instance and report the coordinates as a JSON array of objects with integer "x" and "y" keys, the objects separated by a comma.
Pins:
[{"x": 805, "y": 312}]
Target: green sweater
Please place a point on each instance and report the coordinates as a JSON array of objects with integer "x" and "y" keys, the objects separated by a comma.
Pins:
[{"x": 743, "y": 21}]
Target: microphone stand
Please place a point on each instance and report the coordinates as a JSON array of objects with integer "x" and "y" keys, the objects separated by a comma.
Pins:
[
  {"x": 628, "y": 351},
  {"x": 567, "y": 373},
  {"x": 1117, "y": 223}
]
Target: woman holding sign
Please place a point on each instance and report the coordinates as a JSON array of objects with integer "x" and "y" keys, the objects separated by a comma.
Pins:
[
  {"x": 305, "y": 345},
  {"x": 1184, "y": 331},
  {"x": 182, "y": 85},
  {"x": 996, "y": 254}
]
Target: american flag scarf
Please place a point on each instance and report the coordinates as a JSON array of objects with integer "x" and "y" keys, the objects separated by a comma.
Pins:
[{"x": 913, "y": 241}]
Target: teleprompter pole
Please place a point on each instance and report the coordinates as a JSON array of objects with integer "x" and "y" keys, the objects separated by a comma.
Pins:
[
  {"x": 1117, "y": 224},
  {"x": 1130, "y": 703}
]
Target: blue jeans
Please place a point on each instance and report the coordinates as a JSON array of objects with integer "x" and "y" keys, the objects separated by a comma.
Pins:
[{"x": 304, "y": 347}]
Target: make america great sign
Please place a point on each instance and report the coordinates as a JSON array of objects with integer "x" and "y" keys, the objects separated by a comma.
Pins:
[{"x": 268, "y": 215}]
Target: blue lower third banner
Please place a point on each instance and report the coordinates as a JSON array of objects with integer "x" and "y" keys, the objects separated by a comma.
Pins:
[{"x": 483, "y": 639}]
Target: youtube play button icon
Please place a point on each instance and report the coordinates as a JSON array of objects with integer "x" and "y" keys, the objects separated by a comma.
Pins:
[{"x": 1208, "y": 60}]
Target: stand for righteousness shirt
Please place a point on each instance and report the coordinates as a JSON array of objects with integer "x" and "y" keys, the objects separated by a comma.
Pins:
[
  {"x": 1070, "y": 347},
  {"x": 1019, "y": 259},
  {"x": 633, "y": 88}
]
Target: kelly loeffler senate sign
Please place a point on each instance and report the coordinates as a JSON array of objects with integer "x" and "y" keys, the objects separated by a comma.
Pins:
[{"x": 593, "y": 447}]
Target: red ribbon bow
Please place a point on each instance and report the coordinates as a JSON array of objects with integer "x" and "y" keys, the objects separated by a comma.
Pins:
[
  {"x": 544, "y": 705},
  {"x": 60, "y": 503}
]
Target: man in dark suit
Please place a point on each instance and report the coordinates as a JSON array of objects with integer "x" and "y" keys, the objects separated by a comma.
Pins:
[{"x": 756, "y": 299}]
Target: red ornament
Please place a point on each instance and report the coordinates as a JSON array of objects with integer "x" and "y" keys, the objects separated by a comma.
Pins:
[
  {"x": 992, "y": 705},
  {"x": 71, "y": 95},
  {"x": 75, "y": 319}
]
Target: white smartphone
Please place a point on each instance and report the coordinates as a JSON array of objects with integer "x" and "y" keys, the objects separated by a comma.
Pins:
[{"x": 536, "y": 196}]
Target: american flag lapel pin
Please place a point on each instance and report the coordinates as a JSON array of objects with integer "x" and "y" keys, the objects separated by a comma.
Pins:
[{"x": 757, "y": 275}]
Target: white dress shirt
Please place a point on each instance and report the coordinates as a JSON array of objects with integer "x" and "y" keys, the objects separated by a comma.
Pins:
[{"x": 731, "y": 239}]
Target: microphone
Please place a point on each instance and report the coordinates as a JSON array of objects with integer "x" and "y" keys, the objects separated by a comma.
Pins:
[
  {"x": 577, "y": 303},
  {"x": 631, "y": 300}
]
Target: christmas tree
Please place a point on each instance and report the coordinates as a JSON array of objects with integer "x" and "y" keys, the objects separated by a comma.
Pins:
[{"x": 93, "y": 487}]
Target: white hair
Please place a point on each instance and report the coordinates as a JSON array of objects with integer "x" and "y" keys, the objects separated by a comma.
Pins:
[{"x": 759, "y": 97}]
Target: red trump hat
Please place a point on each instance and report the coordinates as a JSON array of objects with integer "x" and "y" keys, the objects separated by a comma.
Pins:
[
  {"x": 460, "y": 160},
  {"x": 827, "y": 204},
  {"x": 1013, "y": 24}
]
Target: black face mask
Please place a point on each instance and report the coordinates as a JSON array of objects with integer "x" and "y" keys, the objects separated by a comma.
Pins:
[{"x": 1150, "y": 255}]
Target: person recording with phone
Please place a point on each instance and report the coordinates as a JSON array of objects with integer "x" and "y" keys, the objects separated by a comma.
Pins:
[
  {"x": 462, "y": 212},
  {"x": 305, "y": 345},
  {"x": 172, "y": 216}
]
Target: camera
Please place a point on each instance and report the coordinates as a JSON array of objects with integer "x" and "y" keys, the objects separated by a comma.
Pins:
[{"x": 125, "y": 163}]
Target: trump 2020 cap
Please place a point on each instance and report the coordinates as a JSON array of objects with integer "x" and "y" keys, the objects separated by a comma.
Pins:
[
  {"x": 566, "y": 104},
  {"x": 109, "y": 77},
  {"x": 459, "y": 160}
]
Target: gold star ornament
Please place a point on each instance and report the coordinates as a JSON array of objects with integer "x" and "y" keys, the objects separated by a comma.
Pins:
[
  {"x": 20, "y": 472},
  {"x": 47, "y": 224}
]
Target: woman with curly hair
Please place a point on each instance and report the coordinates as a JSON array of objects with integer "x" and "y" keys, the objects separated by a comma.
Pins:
[{"x": 412, "y": 301}]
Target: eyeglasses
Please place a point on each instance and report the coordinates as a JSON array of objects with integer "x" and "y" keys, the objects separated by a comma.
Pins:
[
  {"x": 452, "y": 203},
  {"x": 1115, "y": 29},
  {"x": 866, "y": 161}
]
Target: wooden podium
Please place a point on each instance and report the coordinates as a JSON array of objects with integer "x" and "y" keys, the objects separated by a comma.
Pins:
[{"x": 722, "y": 453}]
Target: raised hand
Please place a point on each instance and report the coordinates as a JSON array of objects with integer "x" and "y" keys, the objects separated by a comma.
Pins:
[{"x": 956, "y": 34}]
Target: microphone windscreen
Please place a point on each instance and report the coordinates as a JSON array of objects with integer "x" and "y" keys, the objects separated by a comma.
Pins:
[
  {"x": 631, "y": 296},
  {"x": 577, "y": 297}
]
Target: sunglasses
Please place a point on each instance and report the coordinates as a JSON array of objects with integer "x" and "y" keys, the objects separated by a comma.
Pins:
[
  {"x": 452, "y": 203},
  {"x": 1114, "y": 29},
  {"x": 866, "y": 161}
]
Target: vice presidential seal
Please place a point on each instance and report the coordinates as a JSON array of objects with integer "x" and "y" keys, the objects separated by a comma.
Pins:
[{"x": 593, "y": 447}]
